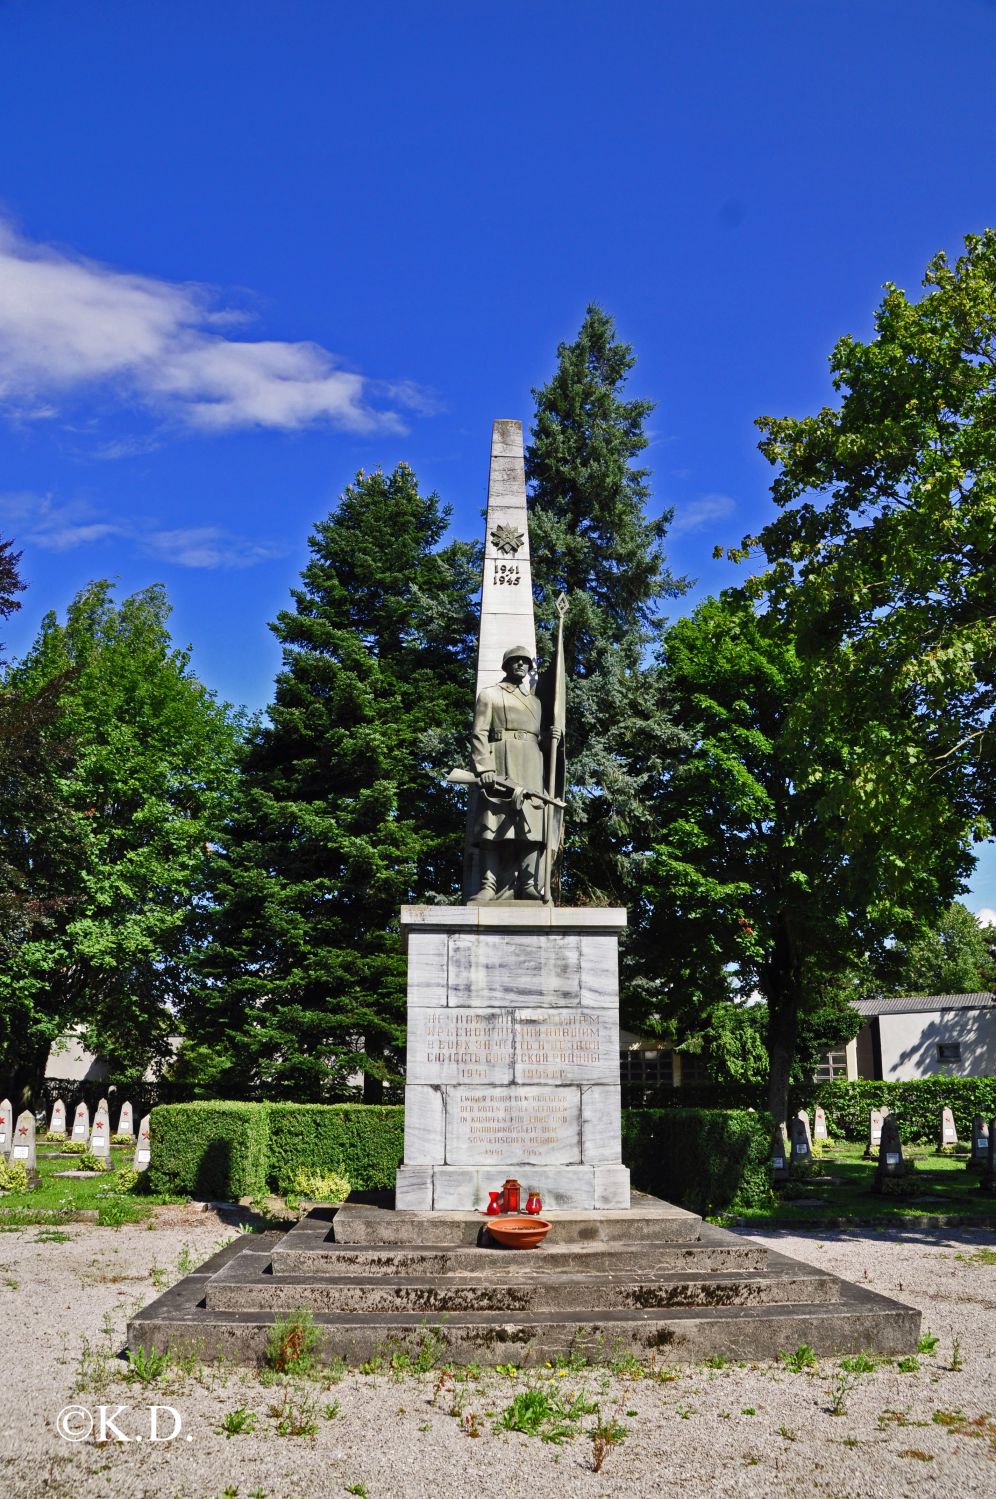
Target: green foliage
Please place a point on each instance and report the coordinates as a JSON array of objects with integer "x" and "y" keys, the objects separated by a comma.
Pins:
[
  {"x": 590, "y": 536},
  {"x": 802, "y": 1359},
  {"x": 884, "y": 545},
  {"x": 13, "y": 1176},
  {"x": 238, "y": 1422},
  {"x": 209, "y": 1150},
  {"x": 705, "y": 1159},
  {"x": 363, "y": 1143},
  {"x": 320, "y": 1186},
  {"x": 291, "y": 1344},
  {"x": 955, "y": 957},
  {"x": 917, "y": 1105},
  {"x": 90, "y": 1162},
  {"x": 146, "y": 761},
  {"x": 343, "y": 813},
  {"x": 146, "y": 1365},
  {"x": 545, "y": 1414}
]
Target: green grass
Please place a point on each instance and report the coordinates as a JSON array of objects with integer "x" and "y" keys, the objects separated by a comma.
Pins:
[
  {"x": 58, "y": 1198},
  {"x": 941, "y": 1180}
]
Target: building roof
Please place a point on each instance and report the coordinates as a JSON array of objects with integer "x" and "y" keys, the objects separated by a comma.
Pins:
[{"x": 918, "y": 1004}]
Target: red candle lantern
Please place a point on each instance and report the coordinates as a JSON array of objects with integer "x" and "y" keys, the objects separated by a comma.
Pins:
[
  {"x": 510, "y": 1195},
  {"x": 533, "y": 1202},
  {"x": 494, "y": 1204}
]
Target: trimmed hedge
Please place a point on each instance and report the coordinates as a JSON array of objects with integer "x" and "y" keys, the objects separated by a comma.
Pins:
[
  {"x": 209, "y": 1150},
  {"x": 363, "y": 1142},
  {"x": 917, "y": 1105},
  {"x": 705, "y": 1159}
]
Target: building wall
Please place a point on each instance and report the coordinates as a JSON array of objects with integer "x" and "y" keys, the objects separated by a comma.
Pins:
[{"x": 910, "y": 1044}]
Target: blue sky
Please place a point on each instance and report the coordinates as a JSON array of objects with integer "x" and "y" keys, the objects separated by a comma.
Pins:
[{"x": 247, "y": 248}]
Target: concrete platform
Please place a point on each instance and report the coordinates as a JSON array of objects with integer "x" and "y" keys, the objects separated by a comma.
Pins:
[{"x": 688, "y": 1292}]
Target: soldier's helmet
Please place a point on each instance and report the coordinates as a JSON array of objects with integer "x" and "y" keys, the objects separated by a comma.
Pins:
[{"x": 514, "y": 653}]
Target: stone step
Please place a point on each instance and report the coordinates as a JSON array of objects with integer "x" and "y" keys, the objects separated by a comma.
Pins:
[
  {"x": 439, "y": 1261},
  {"x": 859, "y": 1320},
  {"x": 648, "y": 1221},
  {"x": 247, "y": 1283}
]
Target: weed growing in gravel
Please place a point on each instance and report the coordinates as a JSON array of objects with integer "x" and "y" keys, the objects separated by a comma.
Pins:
[
  {"x": 858, "y": 1363},
  {"x": 359, "y": 1489},
  {"x": 575, "y": 1359},
  {"x": 717, "y": 1361},
  {"x": 97, "y": 1364},
  {"x": 425, "y": 1357},
  {"x": 52, "y": 1236},
  {"x": 331, "y": 1411},
  {"x": 146, "y": 1365},
  {"x": 627, "y": 1367},
  {"x": 237, "y": 1423},
  {"x": 604, "y": 1435},
  {"x": 290, "y": 1347},
  {"x": 922, "y": 1457},
  {"x": 909, "y": 1365},
  {"x": 542, "y": 1413},
  {"x": 839, "y": 1391},
  {"x": 787, "y": 1434},
  {"x": 184, "y": 1262},
  {"x": 508, "y": 1370},
  {"x": 296, "y": 1415},
  {"x": 978, "y": 1257},
  {"x": 957, "y": 1362},
  {"x": 803, "y": 1358},
  {"x": 927, "y": 1342}
]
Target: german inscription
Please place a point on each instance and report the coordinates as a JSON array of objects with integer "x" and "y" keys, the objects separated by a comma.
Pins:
[{"x": 524, "y": 1124}]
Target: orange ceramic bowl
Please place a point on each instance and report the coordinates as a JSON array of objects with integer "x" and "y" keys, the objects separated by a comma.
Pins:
[{"x": 518, "y": 1233}]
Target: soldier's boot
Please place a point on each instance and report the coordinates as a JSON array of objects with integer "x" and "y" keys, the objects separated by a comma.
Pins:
[
  {"x": 488, "y": 855},
  {"x": 527, "y": 886}
]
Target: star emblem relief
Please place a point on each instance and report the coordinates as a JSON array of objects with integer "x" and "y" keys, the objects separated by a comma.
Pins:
[{"x": 507, "y": 540}]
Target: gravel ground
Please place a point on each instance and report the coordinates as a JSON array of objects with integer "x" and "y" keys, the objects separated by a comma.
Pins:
[{"x": 694, "y": 1431}]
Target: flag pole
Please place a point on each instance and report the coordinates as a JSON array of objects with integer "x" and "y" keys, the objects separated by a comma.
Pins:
[{"x": 557, "y": 756}]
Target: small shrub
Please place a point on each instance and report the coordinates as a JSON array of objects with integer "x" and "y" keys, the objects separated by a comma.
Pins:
[
  {"x": 13, "y": 1176},
  {"x": 320, "y": 1186},
  {"x": 91, "y": 1162},
  {"x": 74, "y": 1147},
  {"x": 146, "y": 1365},
  {"x": 291, "y": 1344},
  {"x": 123, "y": 1140},
  {"x": 927, "y": 1342}
]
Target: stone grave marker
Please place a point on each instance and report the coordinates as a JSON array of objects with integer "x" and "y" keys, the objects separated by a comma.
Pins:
[
  {"x": 875, "y": 1119},
  {"x": 126, "y": 1123},
  {"x": 801, "y": 1151},
  {"x": 100, "y": 1135},
  {"x": 949, "y": 1135},
  {"x": 988, "y": 1182},
  {"x": 819, "y": 1124},
  {"x": 81, "y": 1123},
  {"x": 6, "y": 1125},
  {"x": 890, "y": 1152},
  {"x": 57, "y": 1123},
  {"x": 803, "y": 1117},
  {"x": 23, "y": 1148},
  {"x": 780, "y": 1155},
  {"x": 142, "y": 1146},
  {"x": 980, "y": 1144}
]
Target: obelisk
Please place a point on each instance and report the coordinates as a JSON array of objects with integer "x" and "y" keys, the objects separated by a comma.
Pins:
[{"x": 507, "y": 586}]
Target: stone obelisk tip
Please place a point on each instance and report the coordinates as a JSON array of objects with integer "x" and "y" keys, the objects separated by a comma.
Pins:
[{"x": 507, "y": 588}]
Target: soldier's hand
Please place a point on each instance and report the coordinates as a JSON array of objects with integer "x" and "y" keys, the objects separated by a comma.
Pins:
[
  {"x": 487, "y": 777},
  {"x": 556, "y": 734}
]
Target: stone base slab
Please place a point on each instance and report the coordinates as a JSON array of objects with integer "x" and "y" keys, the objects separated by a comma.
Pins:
[{"x": 424, "y": 1189}]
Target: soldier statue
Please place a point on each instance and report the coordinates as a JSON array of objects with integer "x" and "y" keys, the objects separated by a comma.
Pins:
[{"x": 511, "y": 747}]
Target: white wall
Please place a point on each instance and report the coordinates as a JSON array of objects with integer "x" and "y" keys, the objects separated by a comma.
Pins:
[{"x": 909, "y": 1044}]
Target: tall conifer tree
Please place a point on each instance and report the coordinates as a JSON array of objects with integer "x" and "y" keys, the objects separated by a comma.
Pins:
[
  {"x": 591, "y": 536},
  {"x": 343, "y": 816}
]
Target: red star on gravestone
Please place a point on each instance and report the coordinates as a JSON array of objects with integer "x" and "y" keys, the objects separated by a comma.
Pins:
[
  {"x": 99, "y": 1124},
  {"x": 23, "y": 1129},
  {"x": 145, "y": 1134}
]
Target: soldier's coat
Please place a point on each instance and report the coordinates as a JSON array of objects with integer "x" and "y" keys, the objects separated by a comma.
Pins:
[{"x": 508, "y": 721}]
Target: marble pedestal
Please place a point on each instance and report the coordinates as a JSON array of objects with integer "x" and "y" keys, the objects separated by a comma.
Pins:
[{"x": 513, "y": 1056}]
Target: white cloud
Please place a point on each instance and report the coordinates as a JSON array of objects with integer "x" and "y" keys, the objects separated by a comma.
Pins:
[
  {"x": 51, "y": 527},
  {"x": 697, "y": 514},
  {"x": 68, "y": 325},
  {"x": 986, "y": 917}
]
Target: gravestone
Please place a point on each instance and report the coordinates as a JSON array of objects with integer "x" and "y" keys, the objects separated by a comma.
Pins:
[
  {"x": 980, "y": 1144},
  {"x": 57, "y": 1123},
  {"x": 875, "y": 1119},
  {"x": 803, "y": 1117},
  {"x": 81, "y": 1123},
  {"x": 126, "y": 1125},
  {"x": 949, "y": 1135},
  {"x": 6, "y": 1126},
  {"x": 780, "y": 1155},
  {"x": 890, "y": 1152},
  {"x": 819, "y": 1124},
  {"x": 143, "y": 1146},
  {"x": 801, "y": 1150},
  {"x": 23, "y": 1148},
  {"x": 988, "y": 1182},
  {"x": 100, "y": 1135},
  {"x": 513, "y": 1002}
]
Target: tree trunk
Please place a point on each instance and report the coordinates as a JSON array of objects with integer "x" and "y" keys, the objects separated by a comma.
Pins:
[{"x": 782, "y": 988}]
